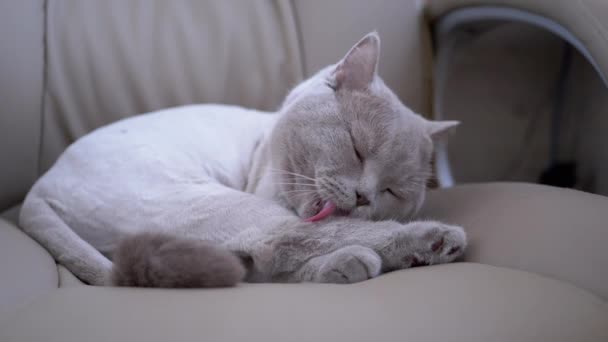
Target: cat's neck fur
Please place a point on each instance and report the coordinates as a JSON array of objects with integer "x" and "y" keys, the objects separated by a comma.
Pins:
[{"x": 260, "y": 177}]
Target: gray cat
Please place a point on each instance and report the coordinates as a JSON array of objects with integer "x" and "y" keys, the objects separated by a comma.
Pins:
[{"x": 209, "y": 195}]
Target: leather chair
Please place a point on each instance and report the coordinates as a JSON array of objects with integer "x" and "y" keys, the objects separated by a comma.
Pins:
[
  {"x": 578, "y": 23},
  {"x": 535, "y": 269}
]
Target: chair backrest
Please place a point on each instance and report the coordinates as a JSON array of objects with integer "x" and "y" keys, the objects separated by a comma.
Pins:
[{"x": 69, "y": 67}]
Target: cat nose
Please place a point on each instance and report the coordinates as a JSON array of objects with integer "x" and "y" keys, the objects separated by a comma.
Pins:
[{"x": 361, "y": 199}]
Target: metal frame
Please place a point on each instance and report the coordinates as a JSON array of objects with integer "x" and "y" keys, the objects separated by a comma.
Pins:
[{"x": 447, "y": 32}]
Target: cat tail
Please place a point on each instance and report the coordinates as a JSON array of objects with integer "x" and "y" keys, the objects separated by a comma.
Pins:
[{"x": 162, "y": 260}]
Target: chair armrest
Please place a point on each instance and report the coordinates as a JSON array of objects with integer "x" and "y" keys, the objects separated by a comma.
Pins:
[{"x": 27, "y": 270}]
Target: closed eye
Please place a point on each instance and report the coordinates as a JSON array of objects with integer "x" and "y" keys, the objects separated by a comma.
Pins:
[
  {"x": 330, "y": 85},
  {"x": 358, "y": 155},
  {"x": 390, "y": 191}
]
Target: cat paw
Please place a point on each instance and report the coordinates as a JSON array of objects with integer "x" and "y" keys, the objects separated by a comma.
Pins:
[
  {"x": 439, "y": 243},
  {"x": 349, "y": 265},
  {"x": 426, "y": 243}
]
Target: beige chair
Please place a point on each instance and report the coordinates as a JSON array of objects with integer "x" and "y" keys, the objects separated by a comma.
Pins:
[
  {"x": 579, "y": 23},
  {"x": 537, "y": 262}
]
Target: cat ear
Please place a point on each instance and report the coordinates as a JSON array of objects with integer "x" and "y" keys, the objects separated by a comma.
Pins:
[
  {"x": 358, "y": 68},
  {"x": 439, "y": 130}
]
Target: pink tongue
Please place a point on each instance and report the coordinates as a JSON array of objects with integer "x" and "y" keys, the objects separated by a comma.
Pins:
[{"x": 327, "y": 210}]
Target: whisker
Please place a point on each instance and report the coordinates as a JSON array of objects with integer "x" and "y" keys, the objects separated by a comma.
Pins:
[
  {"x": 292, "y": 173},
  {"x": 297, "y": 195},
  {"x": 301, "y": 191},
  {"x": 274, "y": 170},
  {"x": 303, "y": 184}
]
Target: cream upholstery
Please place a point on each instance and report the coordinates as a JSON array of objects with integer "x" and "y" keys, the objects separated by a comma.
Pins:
[
  {"x": 558, "y": 233},
  {"x": 129, "y": 57},
  {"x": 70, "y": 67},
  {"x": 21, "y": 86},
  {"x": 26, "y": 269},
  {"x": 460, "y": 302}
]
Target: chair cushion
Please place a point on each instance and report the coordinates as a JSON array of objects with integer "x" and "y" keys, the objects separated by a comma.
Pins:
[
  {"x": 547, "y": 230},
  {"x": 26, "y": 269},
  {"x": 457, "y": 302},
  {"x": 555, "y": 232}
]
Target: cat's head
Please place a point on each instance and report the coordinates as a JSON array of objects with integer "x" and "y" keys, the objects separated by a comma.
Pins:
[{"x": 346, "y": 145}]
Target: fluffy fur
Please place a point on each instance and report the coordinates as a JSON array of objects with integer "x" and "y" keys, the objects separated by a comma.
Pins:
[
  {"x": 245, "y": 180},
  {"x": 160, "y": 260}
]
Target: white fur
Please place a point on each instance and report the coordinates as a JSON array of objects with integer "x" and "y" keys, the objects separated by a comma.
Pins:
[{"x": 155, "y": 172}]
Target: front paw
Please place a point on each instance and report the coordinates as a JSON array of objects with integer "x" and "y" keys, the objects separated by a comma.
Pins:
[
  {"x": 425, "y": 243},
  {"x": 442, "y": 243},
  {"x": 349, "y": 265}
]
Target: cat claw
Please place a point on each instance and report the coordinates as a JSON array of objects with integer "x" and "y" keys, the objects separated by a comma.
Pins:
[{"x": 430, "y": 243}]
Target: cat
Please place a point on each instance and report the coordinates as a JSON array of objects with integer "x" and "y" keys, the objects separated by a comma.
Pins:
[{"x": 324, "y": 190}]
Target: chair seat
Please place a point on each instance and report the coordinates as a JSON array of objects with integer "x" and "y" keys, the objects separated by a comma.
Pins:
[
  {"x": 534, "y": 271},
  {"x": 457, "y": 302},
  {"x": 556, "y": 232}
]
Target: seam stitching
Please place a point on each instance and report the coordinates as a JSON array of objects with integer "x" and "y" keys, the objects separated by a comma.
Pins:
[{"x": 45, "y": 10}]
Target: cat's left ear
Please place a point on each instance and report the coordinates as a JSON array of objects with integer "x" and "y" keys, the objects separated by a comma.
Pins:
[
  {"x": 439, "y": 130},
  {"x": 358, "y": 68}
]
